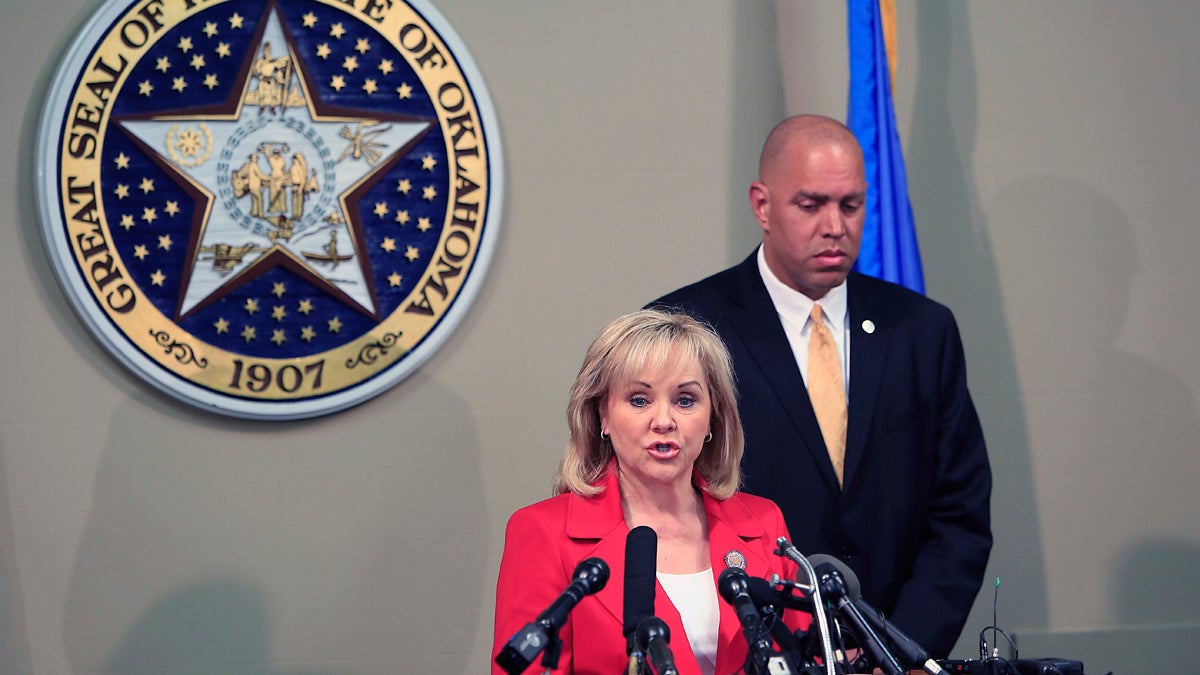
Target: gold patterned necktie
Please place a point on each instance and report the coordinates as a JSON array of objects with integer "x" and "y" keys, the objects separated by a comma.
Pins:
[{"x": 826, "y": 391}]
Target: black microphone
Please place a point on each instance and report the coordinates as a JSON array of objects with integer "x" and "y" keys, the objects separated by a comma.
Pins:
[
  {"x": 734, "y": 586},
  {"x": 912, "y": 652},
  {"x": 654, "y": 638},
  {"x": 589, "y": 576},
  {"x": 641, "y": 566},
  {"x": 771, "y": 598},
  {"x": 834, "y": 587},
  {"x": 766, "y": 593}
]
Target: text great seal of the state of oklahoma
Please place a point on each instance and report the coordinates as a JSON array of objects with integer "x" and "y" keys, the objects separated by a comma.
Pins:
[{"x": 269, "y": 209}]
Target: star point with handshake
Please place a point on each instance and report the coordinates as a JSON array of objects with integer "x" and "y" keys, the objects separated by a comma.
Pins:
[{"x": 850, "y": 432}]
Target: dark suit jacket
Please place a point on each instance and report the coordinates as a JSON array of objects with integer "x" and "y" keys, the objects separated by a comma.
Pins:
[
  {"x": 545, "y": 541},
  {"x": 913, "y": 518}
]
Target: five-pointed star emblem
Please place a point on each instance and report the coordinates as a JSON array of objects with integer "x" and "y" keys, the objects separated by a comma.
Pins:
[{"x": 281, "y": 189}]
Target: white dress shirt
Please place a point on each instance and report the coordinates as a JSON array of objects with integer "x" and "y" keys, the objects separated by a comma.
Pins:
[{"x": 795, "y": 309}]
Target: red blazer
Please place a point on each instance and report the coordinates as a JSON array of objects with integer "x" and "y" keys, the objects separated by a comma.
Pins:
[{"x": 545, "y": 541}]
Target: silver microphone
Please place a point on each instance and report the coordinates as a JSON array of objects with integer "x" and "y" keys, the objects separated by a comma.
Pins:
[{"x": 792, "y": 553}]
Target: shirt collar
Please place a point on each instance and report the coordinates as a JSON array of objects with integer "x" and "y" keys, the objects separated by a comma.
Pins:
[{"x": 791, "y": 302}]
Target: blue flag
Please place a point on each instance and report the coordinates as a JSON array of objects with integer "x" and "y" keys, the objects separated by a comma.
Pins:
[{"x": 889, "y": 241}]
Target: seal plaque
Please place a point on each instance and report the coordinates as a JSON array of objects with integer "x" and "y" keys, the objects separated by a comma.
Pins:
[{"x": 269, "y": 209}]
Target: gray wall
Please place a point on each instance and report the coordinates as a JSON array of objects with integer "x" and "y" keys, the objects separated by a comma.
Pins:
[{"x": 1052, "y": 148}]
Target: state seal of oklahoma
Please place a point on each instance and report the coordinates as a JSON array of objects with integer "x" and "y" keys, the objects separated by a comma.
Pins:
[{"x": 271, "y": 209}]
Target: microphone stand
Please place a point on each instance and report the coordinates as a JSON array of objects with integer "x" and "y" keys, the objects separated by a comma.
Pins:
[
  {"x": 553, "y": 651},
  {"x": 788, "y": 550},
  {"x": 787, "y": 641},
  {"x": 637, "y": 661},
  {"x": 883, "y": 658}
]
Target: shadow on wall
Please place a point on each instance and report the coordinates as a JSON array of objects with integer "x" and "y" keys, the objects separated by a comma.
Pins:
[
  {"x": 1156, "y": 583},
  {"x": 1122, "y": 428},
  {"x": 218, "y": 625},
  {"x": 345, "y": 544},
  {"x": 961, "y": 271},
  {"x": 1116, "y": 435}
]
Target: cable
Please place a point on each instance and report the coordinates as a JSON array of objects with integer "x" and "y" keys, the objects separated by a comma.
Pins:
[{"x": 994, "y": 659}]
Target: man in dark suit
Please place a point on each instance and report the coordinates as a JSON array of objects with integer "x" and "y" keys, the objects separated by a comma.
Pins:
[{"x": 895, "y": 481}]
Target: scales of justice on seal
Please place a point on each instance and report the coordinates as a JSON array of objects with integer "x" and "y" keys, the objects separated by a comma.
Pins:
[{"x": 269, "y": 209}]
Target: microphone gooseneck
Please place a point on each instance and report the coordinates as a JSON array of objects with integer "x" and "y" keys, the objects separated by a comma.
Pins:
[{"x": 791, "y": 552}]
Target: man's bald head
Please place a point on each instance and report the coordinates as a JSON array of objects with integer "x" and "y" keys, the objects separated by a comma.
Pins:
[
  {"x": 802, "y": 131},
  {"x": 810, "y": 200}
]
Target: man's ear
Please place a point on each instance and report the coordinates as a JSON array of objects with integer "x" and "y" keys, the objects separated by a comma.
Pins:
[{"x": 760, "y": 202}]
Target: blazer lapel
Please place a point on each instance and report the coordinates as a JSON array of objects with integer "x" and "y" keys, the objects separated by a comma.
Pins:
[
  {"x": 730, "y": 528},
  {"x": 756, "y": 323},
  {"x": 601, "y": 520},
  {"x": 869, "y": 336}
]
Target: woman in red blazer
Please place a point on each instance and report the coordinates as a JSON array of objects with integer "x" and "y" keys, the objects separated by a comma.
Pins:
[{"x": 656, "y": 441}]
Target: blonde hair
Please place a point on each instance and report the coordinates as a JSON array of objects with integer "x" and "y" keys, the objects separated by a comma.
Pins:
[{"x": 626, "y": 346}]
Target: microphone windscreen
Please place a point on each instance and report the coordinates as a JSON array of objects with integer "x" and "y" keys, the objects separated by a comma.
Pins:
[
  {"x": 762, "y": 593},
  {"x": 853, "y": 589},
  {"x": 590, "y": 575},
  {"x": 733, "y": 584},
  {"x": 641, "y": 567}
]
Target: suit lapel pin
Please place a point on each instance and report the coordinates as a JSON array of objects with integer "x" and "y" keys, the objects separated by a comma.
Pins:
[
  {"x": 734, "y": 558},
  {"x": 869, "y": 326}
]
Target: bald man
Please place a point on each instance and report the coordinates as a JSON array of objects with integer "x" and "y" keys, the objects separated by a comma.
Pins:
[{"x": 898, "y": 484}]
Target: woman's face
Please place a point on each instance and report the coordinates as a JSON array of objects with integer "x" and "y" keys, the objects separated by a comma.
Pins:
[{"x": 658, "y": 420}]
